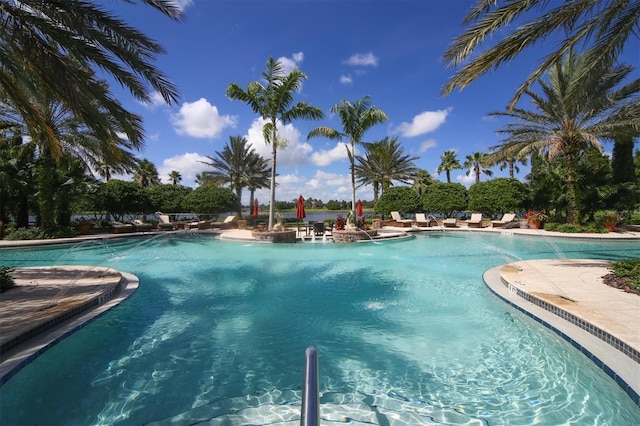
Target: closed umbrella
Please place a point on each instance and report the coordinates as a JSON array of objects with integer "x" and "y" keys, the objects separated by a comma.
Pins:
[
  {"x": 300, "y": 214},
  {"x": 359, "y": 211},
  {"x": 256, "y": 207}
]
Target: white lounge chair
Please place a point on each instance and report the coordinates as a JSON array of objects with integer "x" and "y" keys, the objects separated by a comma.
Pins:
[
  {"x": 475, "y": 221},
  {"x": 506, "y": 218},
  {"x": 400, "y": 221},
  {"x": 421, "y": 220},
  {"x": 164, "y": 223},
  {"x": 450, "y": 223},
  {"x": 141, "y": 226},
  {"x": 227, "y": 223}
]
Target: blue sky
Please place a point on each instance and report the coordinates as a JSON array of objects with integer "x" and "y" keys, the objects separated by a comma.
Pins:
[{"x": 390, "y": 50}]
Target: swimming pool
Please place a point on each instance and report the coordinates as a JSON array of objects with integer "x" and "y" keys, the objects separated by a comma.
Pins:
[{"x": 406, "y": 333}]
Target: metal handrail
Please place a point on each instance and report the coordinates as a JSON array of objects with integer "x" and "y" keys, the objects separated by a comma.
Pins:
[{"x": 310, "y": 411}]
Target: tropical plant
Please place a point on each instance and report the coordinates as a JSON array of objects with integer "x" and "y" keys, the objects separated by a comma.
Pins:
[
  {"x": 210, "y": 199},
  {"x": 120, "y": 198},
  {"x": 257, "y": 174},
  {"x": 166, "y": 197},
  {"x": 273, "y": 103},
  {"x": 356, "y": 118},
  {"x": 577, "y": 106},
  {"x": 383, "y": 163},
  {"x": 146, "y": 174},
  {"x": 445, "y": 198},
  {"x": 497, "y": 196},
  {"x": 236, "y": 166},
  {"x": 61, "y": 43},
  {"x": 421, "y": 180},
  {"x": 449, "y": 162},
  {"x": 477, "y": 162},
  {"x": 175, "y": 177},
  {"x": 6, "y": 279},
  {"x": 399, "y": 198},
  {"x": 604, "y": 26}
]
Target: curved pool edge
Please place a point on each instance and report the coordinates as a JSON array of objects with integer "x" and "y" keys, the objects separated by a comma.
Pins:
[
  {"x": 14, "y": 359},
  {"x": 620, "y": 367}
]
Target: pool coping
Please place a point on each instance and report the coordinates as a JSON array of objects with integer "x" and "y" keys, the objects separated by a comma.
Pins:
[
  {"x": 35, "y": 342},
  {"x": 617, "y": 365}
]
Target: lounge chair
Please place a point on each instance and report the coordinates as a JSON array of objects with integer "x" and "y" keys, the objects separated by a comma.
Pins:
[
  {"x": 164, "y": 223},
  {"x": 421, "y": 220},
  {"x": 475, "y": 221},
  {"x": 141, "y": 226},
  {"x": 227, "y": 223},
  {"x": 450, "y": 223},
  {"x": 121, "y": 228},
  {"x": 400, "y": 221},
  {"x": 506, "y": 218}
]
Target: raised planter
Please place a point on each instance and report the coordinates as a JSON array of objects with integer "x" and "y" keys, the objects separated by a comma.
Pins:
[
  {"x": 535, "y": 224},
  {"x": 351, "y": 236},
  {"x": 286, "y": 236}
]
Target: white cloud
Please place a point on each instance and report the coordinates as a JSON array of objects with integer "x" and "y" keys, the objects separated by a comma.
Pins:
[
  {"x": 363, "y": 59},
  {"x": 424, "y": 122},
  {"x": 346, "y": 79},
  {"x": 426, "y": 145},
  {"x": 467, "y": 180},
  {"x": 183, "y": 4},
  {"x": 291, "y": 63},
  {"x": 295, "y": 153},
  {"x": 200, "y": 119},
  {"x": 156, "y": 101},
  {"x": 323, "y": 158},
  {"x": 188, "y": 164}
]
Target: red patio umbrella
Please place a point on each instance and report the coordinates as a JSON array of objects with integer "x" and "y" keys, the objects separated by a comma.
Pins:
[
  {"x": 300, "y": 214},
  {"x": 256, "y": 208},
  {"x": 359, "y": 211}
]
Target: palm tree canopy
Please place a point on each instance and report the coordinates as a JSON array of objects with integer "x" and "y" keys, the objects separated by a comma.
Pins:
[
  {"x": 273, "y": 103},
  {"x": 604, "y": 26},
  {"x": 356, "y": 118},
  {"x": 574, "y": 109},
  {"x": 62, "y": 43},
  {"x": 385, "y": 161}
]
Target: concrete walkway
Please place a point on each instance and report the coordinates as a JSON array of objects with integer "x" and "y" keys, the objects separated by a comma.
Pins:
[
  {"x": 569, "y": 296},
  {"x": 49, "y": 303}
]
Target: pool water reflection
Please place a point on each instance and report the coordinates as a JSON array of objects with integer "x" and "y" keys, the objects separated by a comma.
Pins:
[{"x": 406, "y": 333}]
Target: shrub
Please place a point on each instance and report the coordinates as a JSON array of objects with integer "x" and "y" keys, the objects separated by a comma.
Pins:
[
  {"x": 340, "y": 223},
  {"x": 629, "y": 269},
  {"x": 6, "y": 280}
]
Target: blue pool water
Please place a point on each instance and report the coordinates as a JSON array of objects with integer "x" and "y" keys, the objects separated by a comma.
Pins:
[{"x": 406, "y": 333}]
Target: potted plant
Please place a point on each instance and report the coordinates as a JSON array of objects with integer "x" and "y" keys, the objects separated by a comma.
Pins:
[
  {"x": 536, "y": 219},
  {"x": 610, "y": 220},
  {"x": 83, "y": 226}
]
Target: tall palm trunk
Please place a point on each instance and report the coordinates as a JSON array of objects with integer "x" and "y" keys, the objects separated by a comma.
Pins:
[
  {"x": 353, "y": 180},
  {"x": 46, "y": 189},
  {"x": 272, "y": 192}
]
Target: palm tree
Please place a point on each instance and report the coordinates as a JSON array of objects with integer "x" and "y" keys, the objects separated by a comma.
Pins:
[
  {"x": 506, "y": 162},
  {"x": 60, "y": 44},
  {"x": 273, "y": 103},
  {"x": 576, "y": 107},
  {"x": 175, "y": 177},
  {"x": 356, "y": 118},
  {"x": 257, "y": 171},
  {"x": 477, "y": 162},
  {"x": 147, "y": 174},
  {"x": 233, "y": 165},
  {"x": 604, "y": 26},
  {"x": 448, "y": 162},
  {"x": 421, "y": 180},
  {"x": 384, "y": 163}
]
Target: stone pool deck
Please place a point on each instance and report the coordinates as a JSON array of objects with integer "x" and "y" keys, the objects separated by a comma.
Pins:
[{"x": 567, "y": 296}]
